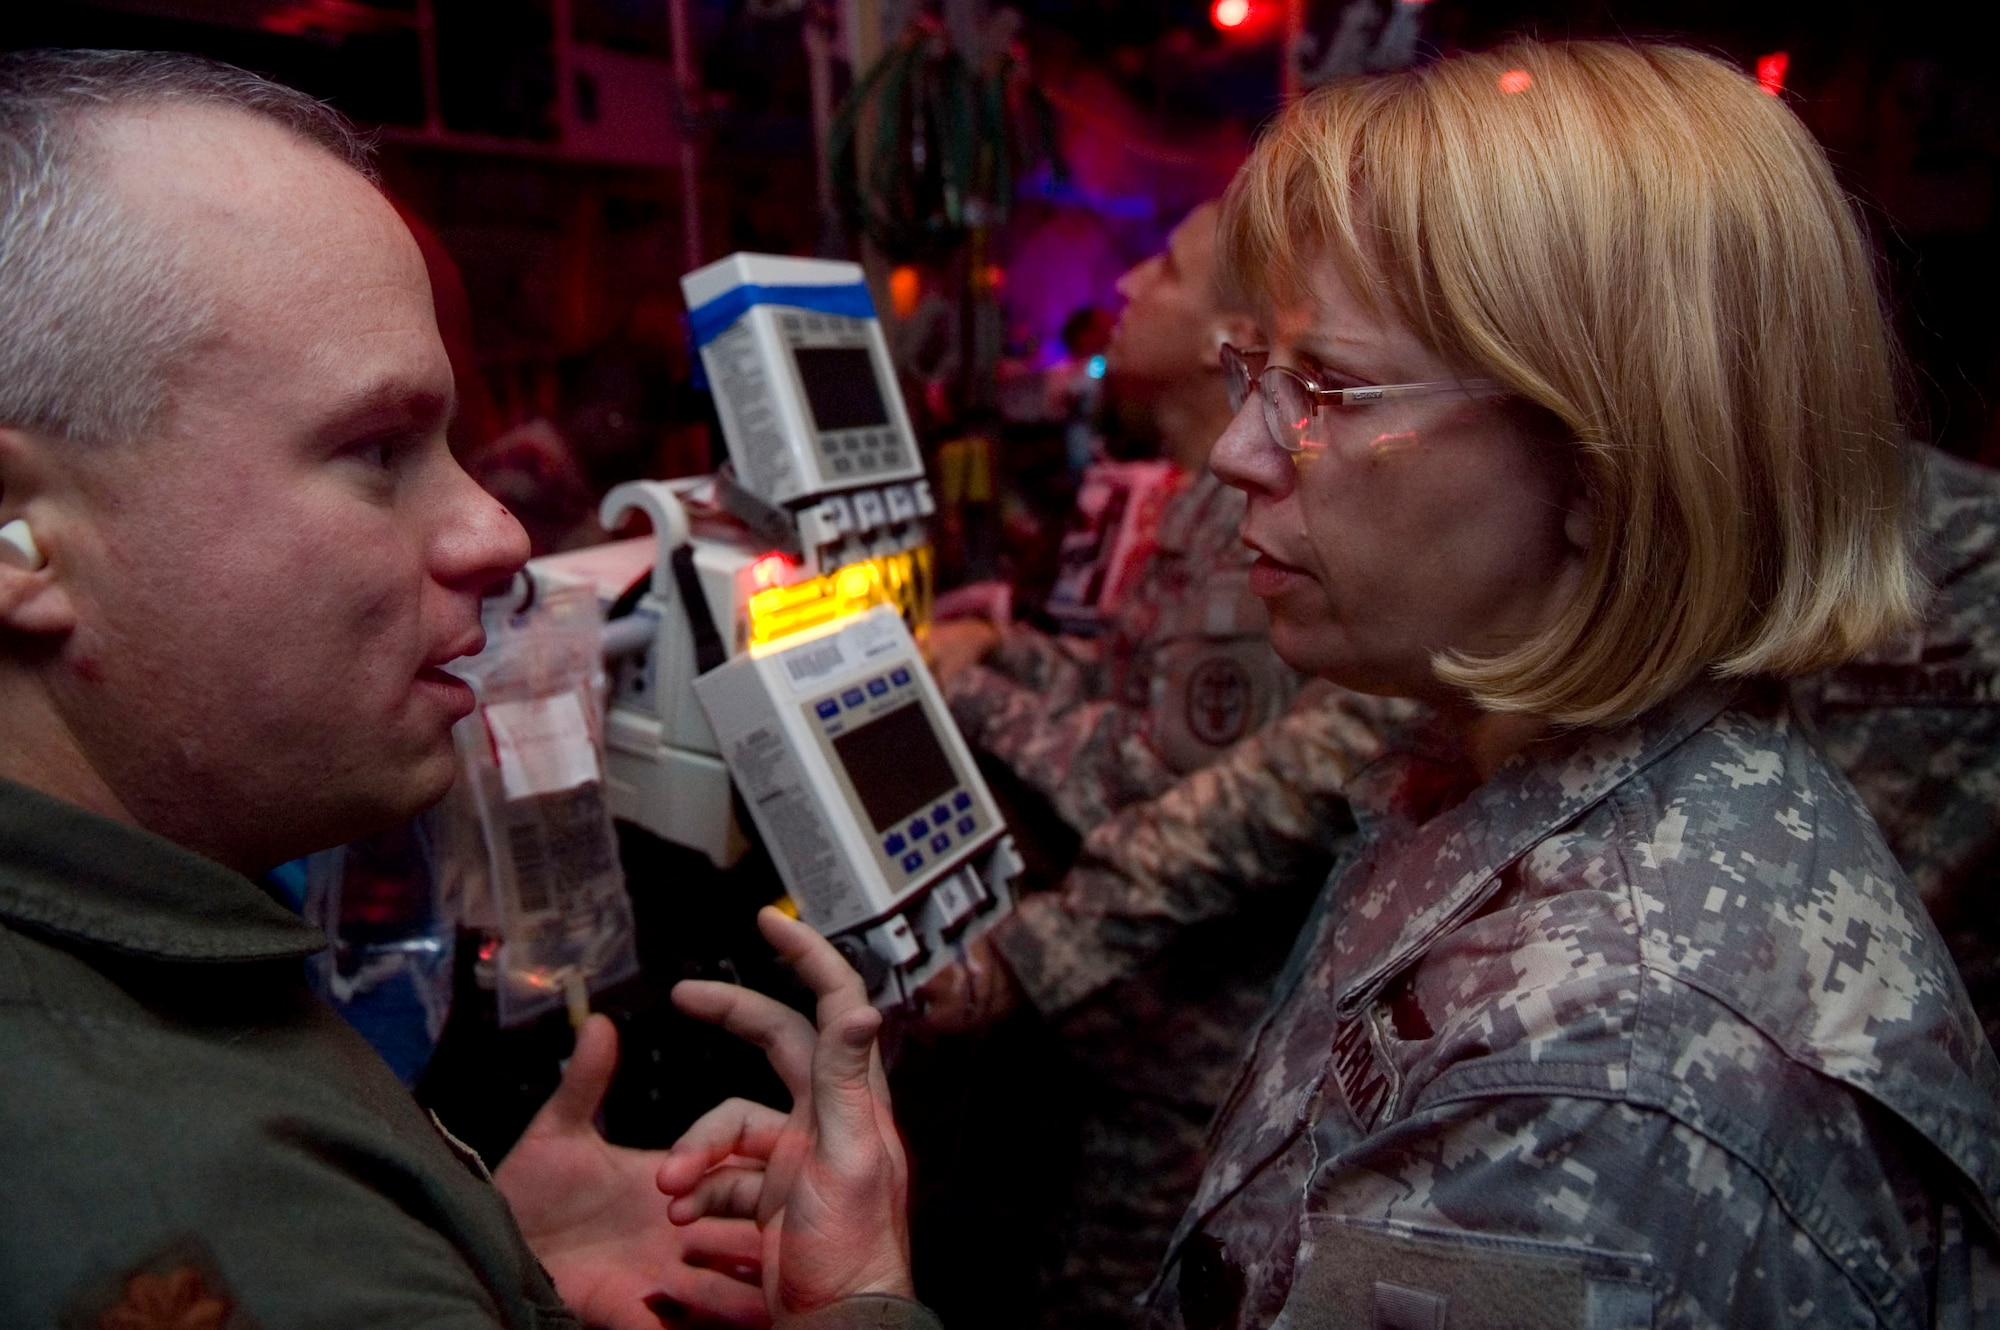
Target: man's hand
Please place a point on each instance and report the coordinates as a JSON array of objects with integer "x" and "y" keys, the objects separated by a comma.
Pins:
[
  {"x": 827, "y": 1183},
  {"x": 955, "y": 645},
  {"x": 592, "y": 1214},
  {"x": 976, "y": 995}
]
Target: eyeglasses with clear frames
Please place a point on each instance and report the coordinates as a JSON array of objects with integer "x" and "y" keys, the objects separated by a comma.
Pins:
[{"x": 1291, "y": 400}]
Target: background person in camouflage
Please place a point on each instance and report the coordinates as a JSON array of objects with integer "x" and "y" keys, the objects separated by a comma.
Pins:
[
  {"x": 1619, "y": 1012},
  {"x": 1916, "y": 726},
  {"x": 1154, "y": 961},
  {"x": 1096, "y": 725},
  {"x": 1092, "y": 724}
]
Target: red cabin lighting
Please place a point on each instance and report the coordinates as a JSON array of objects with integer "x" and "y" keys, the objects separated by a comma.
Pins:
[{"x": 1771, "y": 71}]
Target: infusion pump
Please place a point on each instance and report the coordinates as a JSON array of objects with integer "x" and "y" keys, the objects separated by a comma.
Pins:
[
  {"x": 762, "y": 641},
  {"x": 865, "y": 794},
  {"x": 801, "y": 374}
]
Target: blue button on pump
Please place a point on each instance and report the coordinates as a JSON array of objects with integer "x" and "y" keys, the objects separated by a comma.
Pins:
[
  {"x": 877, "y": 687},
  {"x": 939, "y": 844},
  {"x": 828, "y": 709},
  {"x": 919, "y": 828},
  {"x": 965, "y": 826},
  {"x": 853, "y": 697},
  {"x": 912, "y": 862},
  {"x": 894, "y": 842},
  {"x": 901, "y": 678},
  {"x": 940, "y": 815},
  {"x": 961, "y": 801}
]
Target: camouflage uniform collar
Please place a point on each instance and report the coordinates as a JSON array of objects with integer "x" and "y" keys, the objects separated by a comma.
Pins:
[
  {"x": 1433, "y": 869},
  {"x": 95, "y": 881}
]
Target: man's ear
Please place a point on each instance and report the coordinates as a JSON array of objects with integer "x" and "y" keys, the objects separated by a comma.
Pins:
[
  {"x": 34, "y": 595},
  {"x": 1237, "y": 330}
]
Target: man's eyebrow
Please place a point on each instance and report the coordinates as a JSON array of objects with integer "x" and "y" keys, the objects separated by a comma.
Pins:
[{"x": 390, "y": 404}]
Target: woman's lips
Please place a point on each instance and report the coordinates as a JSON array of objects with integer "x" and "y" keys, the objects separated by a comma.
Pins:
[{"x": 1273, "y": 577}]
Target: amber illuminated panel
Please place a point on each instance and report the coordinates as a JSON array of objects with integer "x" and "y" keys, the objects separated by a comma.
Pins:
[{"x": 902, "y": 580}]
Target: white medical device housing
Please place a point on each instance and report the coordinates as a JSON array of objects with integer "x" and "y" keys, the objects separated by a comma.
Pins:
[
  {"x": 781, "y": 723},
  {"x": 835, "y": 735},
  {"x": 807, "y": 397},
  {"x": 663, "y": 771},
  {"x": 865, "y": 793}
]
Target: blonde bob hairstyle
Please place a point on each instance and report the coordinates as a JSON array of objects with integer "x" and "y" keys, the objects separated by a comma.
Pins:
[{"x": 1640, "y": 241}]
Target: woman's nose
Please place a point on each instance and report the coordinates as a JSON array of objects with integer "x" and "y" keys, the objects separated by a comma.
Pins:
[{"x": 1247, "y": 457}]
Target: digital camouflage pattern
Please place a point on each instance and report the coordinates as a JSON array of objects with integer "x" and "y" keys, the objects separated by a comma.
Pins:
[
  {"x": 1916, "y": 727},
  {"x": 1184, "y": 671},
  {"x": 1270, "y": 814},
  {"x": 1156, "y": 958},
  {"x": 1650, "y": 1028}
]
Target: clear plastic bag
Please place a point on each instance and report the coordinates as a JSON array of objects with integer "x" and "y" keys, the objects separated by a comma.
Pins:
[
  {"x": 388, "y": 966},
  {"x": 533, "y": 761},
  {"x": 465, "y": 873}
]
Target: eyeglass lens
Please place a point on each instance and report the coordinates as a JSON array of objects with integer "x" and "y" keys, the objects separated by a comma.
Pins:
[
  {"x": 1288, "y": 408},
  {"x": 1288, "y": 404}
]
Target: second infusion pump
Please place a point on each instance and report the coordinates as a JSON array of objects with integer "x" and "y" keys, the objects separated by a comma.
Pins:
[
  {"x": 801, "y": 375},
  {"x": 862, "y": 787}
]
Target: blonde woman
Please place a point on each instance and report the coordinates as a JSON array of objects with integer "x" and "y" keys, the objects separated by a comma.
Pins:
[{"x": 1573, "y": 418}]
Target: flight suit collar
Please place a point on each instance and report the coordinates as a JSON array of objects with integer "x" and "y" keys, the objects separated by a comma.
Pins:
[{"x": 102, "y": 883}]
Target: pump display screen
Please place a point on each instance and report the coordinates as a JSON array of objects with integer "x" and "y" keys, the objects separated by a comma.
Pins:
[
  {"x": 840, "y": 384},
  {"x": 895, "y": 764}
]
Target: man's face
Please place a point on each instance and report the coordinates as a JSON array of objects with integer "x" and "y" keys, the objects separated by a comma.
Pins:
[
  {"x": 1166, "y": 331},
  {"x": 266, "y": 587}
]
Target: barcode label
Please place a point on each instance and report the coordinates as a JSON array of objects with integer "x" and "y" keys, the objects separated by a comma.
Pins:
[
  {"x": 529, "y": 846},
  {"x": 773, "y": 781},
  {"x": 737, "y": 373},
  {"x": 808, "y": 664},
  {"x": 559, "y": 843}
]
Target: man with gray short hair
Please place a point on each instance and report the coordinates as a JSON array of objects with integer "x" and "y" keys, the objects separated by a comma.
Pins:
[{"x": 235, "y": 554}]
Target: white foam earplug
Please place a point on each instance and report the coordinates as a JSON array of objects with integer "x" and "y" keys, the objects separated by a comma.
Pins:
[{"x": 18, "y": 547}]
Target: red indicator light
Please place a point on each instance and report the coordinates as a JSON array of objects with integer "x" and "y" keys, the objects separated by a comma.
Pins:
[
  {"x": 1516, "y": 80},
  {"x": 906, "y": 287},
  {"x": 1229, "y": 13},
  {"x": 1771, "y": 71},
  {"x": 769, "y": 570}
]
